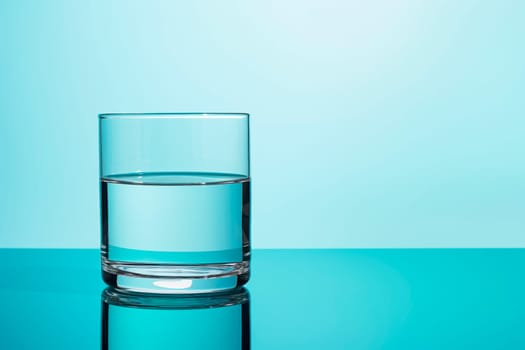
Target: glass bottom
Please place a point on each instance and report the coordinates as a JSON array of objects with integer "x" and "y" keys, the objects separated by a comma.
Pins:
[{"x": 174, "y": 279}]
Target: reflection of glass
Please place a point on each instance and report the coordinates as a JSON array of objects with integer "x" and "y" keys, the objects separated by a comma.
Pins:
[
  {"x": 175, "y": 201},
  {"x": 191, "y": 322}
]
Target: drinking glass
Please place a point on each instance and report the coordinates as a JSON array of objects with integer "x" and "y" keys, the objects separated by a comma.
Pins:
[{"x": 175, "y": 201}]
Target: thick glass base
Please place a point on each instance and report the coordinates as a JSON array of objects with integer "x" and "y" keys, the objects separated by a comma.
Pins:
[{"x": 175, "y": 279}]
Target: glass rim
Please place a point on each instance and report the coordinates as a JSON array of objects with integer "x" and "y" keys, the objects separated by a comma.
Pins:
[{"x": 175, "y": 115}]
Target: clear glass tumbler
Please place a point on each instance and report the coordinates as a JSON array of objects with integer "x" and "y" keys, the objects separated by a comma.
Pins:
[{"x": 175, "y": 201}]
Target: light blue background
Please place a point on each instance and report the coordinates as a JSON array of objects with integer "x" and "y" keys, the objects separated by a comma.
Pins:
[{"x": 374, "y": 124}]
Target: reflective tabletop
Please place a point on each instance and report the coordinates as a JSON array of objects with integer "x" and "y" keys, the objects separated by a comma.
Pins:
[{"x": 296, "y": 299}]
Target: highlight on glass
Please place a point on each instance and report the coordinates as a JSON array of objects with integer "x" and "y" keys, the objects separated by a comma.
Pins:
[{"x": 175, "y": 201}]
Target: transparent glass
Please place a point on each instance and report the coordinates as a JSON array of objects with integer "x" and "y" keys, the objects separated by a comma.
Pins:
[
  {"x": 175, "y": 201},
  {"x": 218, "y": 321}
]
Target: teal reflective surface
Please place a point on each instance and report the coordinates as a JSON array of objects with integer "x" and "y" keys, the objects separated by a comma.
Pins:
[
  {"x": 299, "y": 299},
  {"x": 213, "y": 322}
]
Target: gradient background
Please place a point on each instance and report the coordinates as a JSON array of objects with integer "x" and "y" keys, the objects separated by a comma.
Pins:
[{"x": 374, "y": 124}]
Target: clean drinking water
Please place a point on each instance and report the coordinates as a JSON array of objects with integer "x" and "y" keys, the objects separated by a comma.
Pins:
[{"x": 162, "y": 231}]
